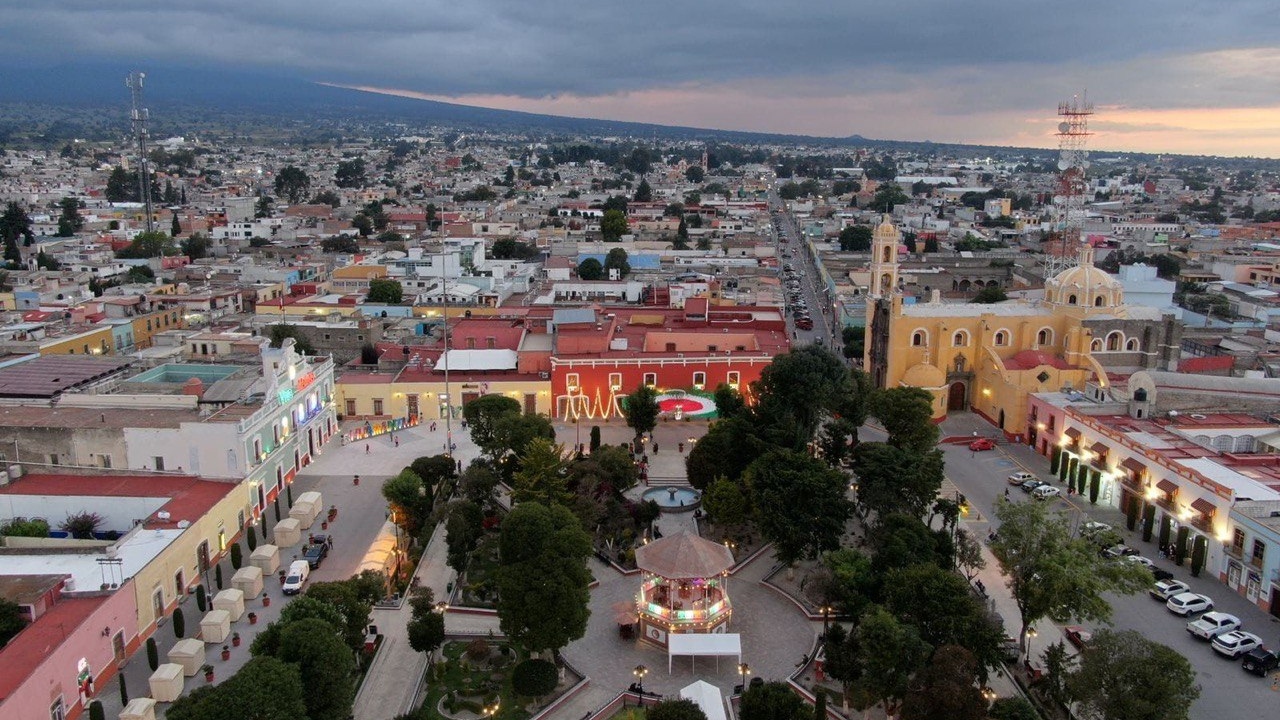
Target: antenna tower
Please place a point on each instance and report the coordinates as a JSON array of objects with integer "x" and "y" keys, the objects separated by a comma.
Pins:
[
  {"x": 1062, "y": 248},
  {"x": 139, "y": 117}
]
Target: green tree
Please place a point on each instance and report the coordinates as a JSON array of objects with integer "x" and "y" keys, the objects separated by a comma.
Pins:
[
  {"x": 613, "y": 225},
  {"x": 264, "y": 207},
  {"x": 153, "y": 653},
  {"x": 694, "y": 174},
  {"x": 350, "y": 174},
  {"x": 855, "y": 238},
  {"x": 179, "y": 624},
  {"x": 1013, "y": 708},
  {"x": 541, "y": 478},
  {"x": 771, "y": 701},
  {"x": 1053, "y": 575},
  {"x": 888, "y": 654},
  {"x": 325, "y": 661},
  {"x": 617, "y": 260},
  {"x": 120, "y": 186},
  {"x": 175, "y": 225},
  {"x": 1125, "y": 676},
  {"x": 888, "y": 196},
  {"x": 515, "y": 433},
  {"x": 512, "y": 249},
  {"x": 292, "y": 183},
  {"x": 940, "y": 606},
  {"x": 385, "y": 291},
  {"x": 594, "y": 443},
  {"x": 728, "y": 448},
  {"x": 946, "y": 689},
  {"x": 69, "y": 222},
  {"x": 990, "y": 295},
  {"x": 727, "y": 503},
  {"x": 906, "y": 414},
  {"x": 641, "y": 410},
  {"x": 542, "y": 577},
  {"x": 22, "y": 527},
  {"x": 895, "y": 480},
  {"x": 11, "y": 620},
  {"x": 426, "y": 622},
  {"x": 797, "y": 391},
  {"x": 14, "y": 224},
  {"x": 140, "y": 274},
  {"x": 463, "y": 527},
  {"x": 410, "y": 500},
  {"x": 482, "y": 416},
  {"x": 148, "y": 245},
  {"x": 729, "y": 402},
  {"x": 675, "y": 708},
  {"x": 281, "y": 331},
  {"x": 590, "y": 269},
  {"x": 265, "y": 688},
  {"x": 801, "y": 501},
  {"x": 644, "y": 193},
  {"x": 196, "y": 246},
  {"x": 340, "y": 244},
  {"x": 534, "y": 677}
]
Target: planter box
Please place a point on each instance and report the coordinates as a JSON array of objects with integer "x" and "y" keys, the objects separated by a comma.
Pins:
[
  {"x": 232, "y": 601},
  {"x": 215, "y": 627},
  {"x": 248, "y": 580},
  {"x": 166, "y": 682},
  {"x": 188, "y": 653},
  {"x": 266, "y": 557}
]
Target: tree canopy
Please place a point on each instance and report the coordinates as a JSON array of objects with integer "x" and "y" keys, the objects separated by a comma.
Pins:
[
  {"x": 542, "y": 577},
  {"x": 613, "y": 225},
  {"x": 482, "y": 416},
  {"x": 641, "y": 410},
  {"x": 148, "y": 245},
  {"x": 590, "y": 269},
  {"x": 855, "y": 238},
  {"x": 802, "y": 501},
  {"x": 1125, "y": 676},
  {"x": 617, "y": 260},
  {"x": 382, "y": 290},
  {"x": 292, "y": 183}
]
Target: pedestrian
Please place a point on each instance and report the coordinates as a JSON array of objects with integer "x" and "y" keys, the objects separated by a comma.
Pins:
[
  {"x": 655, "y": 448},
  {"x": 366, "y": 448},
  {"x": 397, "y": 441},
  {"x": 453, "y": 447},
  {"x": 459, "y": 466},
  {"x": 1006, "y": 493},
  {"x": 433, "y": 426}
]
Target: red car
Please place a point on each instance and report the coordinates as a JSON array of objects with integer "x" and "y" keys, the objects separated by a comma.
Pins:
[
  {"x": 1077, "y": 636},
  {"x": 982, "y": 444}
]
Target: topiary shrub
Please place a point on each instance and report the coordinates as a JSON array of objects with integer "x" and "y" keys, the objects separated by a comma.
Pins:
[
  {"x": 217, "y": 575},
  {"x": 534, "y": 678},
  {"x": 236, "y": 557},
  {"x": 96, "y": 711},
  {"x": 179, "y": 624},
  {"x": 1013, "y": 708},
  {"x": 153, "y": 654},
  {"x": 202, "y": 601},
  {"x": 251, "y": 538},
  {"x": 477, "y": 650}
]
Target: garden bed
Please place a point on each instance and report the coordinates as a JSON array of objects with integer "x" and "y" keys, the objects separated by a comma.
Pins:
[{"x": 473, "y": 680}]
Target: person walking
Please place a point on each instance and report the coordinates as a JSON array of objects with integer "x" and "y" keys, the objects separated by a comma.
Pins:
[{"x": 366, "y": 448}]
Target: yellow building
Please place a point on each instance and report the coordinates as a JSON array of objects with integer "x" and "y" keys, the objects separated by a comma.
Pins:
[
  {"x": 97, "y": 341},
  {"x": 990, "y": 358},
  {"x": 145, "y": 326},
  {"x": 386, "y": 396}
]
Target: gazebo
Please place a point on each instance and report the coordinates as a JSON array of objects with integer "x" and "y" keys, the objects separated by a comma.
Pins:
[{"x": 683, "y": 590}]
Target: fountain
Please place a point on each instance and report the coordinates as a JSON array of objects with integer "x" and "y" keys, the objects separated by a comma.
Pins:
[{"x": 674, "y": 498}]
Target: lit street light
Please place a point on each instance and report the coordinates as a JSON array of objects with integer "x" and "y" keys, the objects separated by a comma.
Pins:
[
  {"x": 744, "y": 670},
  {"x": 640, "y": 672}
]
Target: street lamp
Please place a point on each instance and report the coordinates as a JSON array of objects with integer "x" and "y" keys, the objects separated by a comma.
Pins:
[
  {"x": 744, "y": 670},
  {"x": 826, "y": 617},
  {"x": 640, "y": 672},
  {"x": 491, "y": 710}
]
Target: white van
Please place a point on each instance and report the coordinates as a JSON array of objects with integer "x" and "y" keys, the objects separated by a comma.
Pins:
[{"x": 297, "y": 575}]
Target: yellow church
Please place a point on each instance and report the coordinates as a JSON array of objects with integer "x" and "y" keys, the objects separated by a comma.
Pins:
[{"x": 989, "y": 358}]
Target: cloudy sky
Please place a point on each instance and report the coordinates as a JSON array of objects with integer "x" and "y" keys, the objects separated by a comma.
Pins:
[{"x": 1168, "y": 75}]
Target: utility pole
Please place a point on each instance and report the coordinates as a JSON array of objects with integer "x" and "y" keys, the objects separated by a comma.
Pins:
[
  {"x": 448, "y": 406},
  {"x": 139, "y": 117}
]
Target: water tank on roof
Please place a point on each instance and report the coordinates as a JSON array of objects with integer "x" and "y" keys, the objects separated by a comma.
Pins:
[{"x": 15, "y": 471}]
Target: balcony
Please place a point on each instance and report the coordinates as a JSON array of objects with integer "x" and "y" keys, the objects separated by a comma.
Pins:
[{"x": 1235, "y": 551}]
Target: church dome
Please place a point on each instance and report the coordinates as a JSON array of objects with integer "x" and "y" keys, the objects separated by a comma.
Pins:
[
  {"x": 924, "y": 376},
  {"x": 1085, "y": 285}
]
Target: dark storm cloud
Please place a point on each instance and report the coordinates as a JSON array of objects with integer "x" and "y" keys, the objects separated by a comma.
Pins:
[{"x": 532, "y": 49}]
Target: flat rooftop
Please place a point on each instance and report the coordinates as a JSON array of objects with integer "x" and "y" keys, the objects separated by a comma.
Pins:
[{"x": 50, "y": 375}]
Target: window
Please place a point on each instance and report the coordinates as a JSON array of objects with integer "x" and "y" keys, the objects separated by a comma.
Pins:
[
  {"x": 734, "y": 379},
  {"x": 1095, "y": 346},
  {"x": 104, "y": 461},
  {"x": 1044, "y": 337},
  {"x": 377, "y": 406},
  {"x": 651, "y": 379},
  {"x": 1132, "y": 345},
  {"x": 960, "y": 339},
  {"x": 1097, "y": 302},
  {"x": 699, "y": 380},
  {"x": 413, "y": 404},
  {"x": 1001, "y": 338},
  {"x": 53, "y": 458},
  {"x": 571, "y": 381},
  {"x": 159, "y": 462},
  {"x": 1237, "y": 541},
  {"x": 351, "y": 407},
  {"x": 1259, "y": 549},
  {"x": 1114, "y": 340},
  {"x": 179, "y": 585},
  {"x": 918, "y": 338},
  {"x": 615, "y": 381},
  {"x": 257, "y": 450},
  {"x": 57, "y": 711},
  {"x": 1071, "y": 300}
]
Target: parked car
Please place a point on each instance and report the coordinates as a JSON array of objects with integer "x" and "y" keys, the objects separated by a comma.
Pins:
[
  {"x": 1260, "y": 661},
  {"x": 1140, "y": 560},
  {"x": 1117, "y": 551},
  {"x": 299, "y": 570},
  {"x": 1093, "y": 528},
  {"x": 1166, "y": 589},
  {"x": 1044, "y": 492},
  {"x": 1020, "y": 477},
  {"x": 1212, "y": 624},
  {"x": 1188, "y": 603},
  {"x": 1235, "y": 643},
  {"x": 982, "y": 444},
  {"x": 804, "y": 324},
  {"x": 1160, "y": 574},
  {"x": 1077, "y": 635},
  {"x": 1030, "y": 485},
  {"x": 315, "y": 554}
]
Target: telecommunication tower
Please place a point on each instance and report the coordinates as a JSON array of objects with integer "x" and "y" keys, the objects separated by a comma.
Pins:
[
  {"x": 1062, "y": 248},
  {"x": 139, "y": 117}
]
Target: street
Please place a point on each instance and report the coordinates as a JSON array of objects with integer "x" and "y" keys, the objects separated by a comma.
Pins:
[
  {"x": 789, "y": 241},
  {"x": 1226, "y": 690}
]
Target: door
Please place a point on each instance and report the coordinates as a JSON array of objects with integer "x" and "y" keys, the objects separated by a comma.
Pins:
[
  {"x": 157, "y": 603},
  {"x": 530, "y": 404},
  {"x": 956, "y": 397},
  {"x": 117, "y": 646},
  {"x": 1275, "y": 601}
]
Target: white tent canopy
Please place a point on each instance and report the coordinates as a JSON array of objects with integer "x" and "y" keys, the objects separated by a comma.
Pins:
[
  {"x": 707, "y": 697},
  {"x": 694, "y": 644}
]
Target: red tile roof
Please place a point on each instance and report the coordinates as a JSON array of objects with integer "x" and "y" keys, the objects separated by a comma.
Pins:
[{"x": 24, "y": 653}]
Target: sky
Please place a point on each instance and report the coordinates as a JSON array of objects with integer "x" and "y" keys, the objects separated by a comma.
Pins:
[{"x": 1169, "y": 76}]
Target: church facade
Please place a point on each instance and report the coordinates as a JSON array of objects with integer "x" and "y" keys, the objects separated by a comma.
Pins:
[{"x": 990, "y": 358}]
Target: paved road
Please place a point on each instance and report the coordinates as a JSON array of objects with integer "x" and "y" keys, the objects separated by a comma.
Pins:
[
  {"x": 1226, "y": 691},
  {"x": 802, "y": 261}
]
